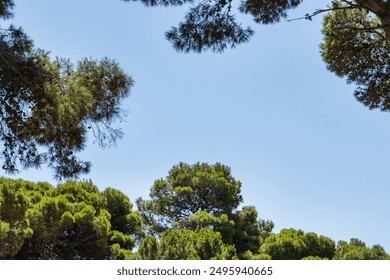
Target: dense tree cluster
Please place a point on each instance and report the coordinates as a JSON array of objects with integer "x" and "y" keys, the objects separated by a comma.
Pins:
[
  {"x": 192, "y": 214},
  {"x": 71, "y": 221},
  {"x": 203, "y": 196}
]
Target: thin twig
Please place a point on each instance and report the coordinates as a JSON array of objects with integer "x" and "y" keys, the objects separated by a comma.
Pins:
[{"x": 320, "y": 11}]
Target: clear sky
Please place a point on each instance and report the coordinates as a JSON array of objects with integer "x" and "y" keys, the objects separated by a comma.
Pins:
[{"x": 309, "y": 156}]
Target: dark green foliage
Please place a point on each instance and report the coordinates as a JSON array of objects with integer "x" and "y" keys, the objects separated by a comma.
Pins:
[
  {"x": 203, "y": 196},
  {"x": 267, "y": 12},
  {"x": 356, "y": 37},
  {"x": 211, "y": 25},
  {"x": 208, "y": 26},
  {"x": 319, "y": 246},
  {"x": 47, "y": 107},
  {"x": 246, "y": 230},
  {"x": 6, "y": 7},
  {"x": 72, "y": 221},
  {"x": 356, "y": 49},
  {"x": 189, "y": 189},
  {"x": 123, "y": 219}
]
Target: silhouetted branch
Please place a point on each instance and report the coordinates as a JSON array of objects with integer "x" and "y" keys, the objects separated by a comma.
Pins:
[{"x": 334, "y": 8}]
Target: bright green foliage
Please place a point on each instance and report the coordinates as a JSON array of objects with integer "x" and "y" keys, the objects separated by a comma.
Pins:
[
  {"x": 183, "y": 244},
  {"x": 357, "y": 250},
  {"x": 148, "y": 248},
  {"x": 76, "y": 221},
  {"x": 119, "y": 246},
  {"x": 291, "y": 244},
  {"x": 202, "y": 219},
  {"x": 14, "y": 225},
  {"x": 47, "y": 107},
  {"x": 310, "y": 258},
  {"x": 72, "y": 221},
  {"x": 177, "y": 245}
]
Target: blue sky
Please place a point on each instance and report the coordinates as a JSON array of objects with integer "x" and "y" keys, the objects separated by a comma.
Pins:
[{"x": 308, "y": 155}]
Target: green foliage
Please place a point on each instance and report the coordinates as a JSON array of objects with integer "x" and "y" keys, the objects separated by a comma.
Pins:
[
  {"x": 291, "y": 244},
  {"x": 72, "y": 221},
  {"x": 6, "y": 8},
  {"x": 67, "y": 227},
  {"x": 123, "y": 219},
  {"x": 76, "y": 221},
  {"x": 209, "y": 25},
  {"x": 187, "y": 190},
  {"x": 202, "y": 219},
  {"x": 246, "y": 231},
  {"x": 319, "y": 246},
  {"x": 14, "y": 225},
  {"x": 47, "y": 107},
  {"x": 354, "y": 47},
  {"x": 212, "y": 24},
  {"x": 268, "y": 12},
  {"x": 203, "y": 196},
  {"x": 184, "y": 244},
  {"x": 148, "y": 248},
  {"x": 357, "y": 250},
  {"x": 311, "y": 258}
]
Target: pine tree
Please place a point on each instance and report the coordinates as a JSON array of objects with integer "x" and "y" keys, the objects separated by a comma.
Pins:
[{"x": 48, "y": 107}]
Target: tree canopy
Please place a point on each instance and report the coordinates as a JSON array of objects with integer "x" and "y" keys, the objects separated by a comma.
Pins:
[
  {"x": 76, "y": 221},
  {"x": 187, "y": 190},
  {"x": 49, "y": 106},
  {"x": 356, "y": 36},
  {"x": 184, "y": 244},
  {"x": 203, "y": 196},
  {"x": 212, "y": 25},
  {"x": 71, "y": 221},
  {"x": 358, "y": 250},
  {"x": 357, "y": 47},
  {"x": 291, "y": 244}
]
